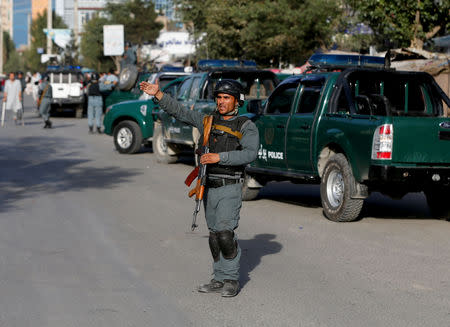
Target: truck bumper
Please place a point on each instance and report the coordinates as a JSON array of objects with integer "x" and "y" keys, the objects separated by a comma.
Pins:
[
  {"x": 415, "y": 175},
  {"x": 68, "y": 101}
]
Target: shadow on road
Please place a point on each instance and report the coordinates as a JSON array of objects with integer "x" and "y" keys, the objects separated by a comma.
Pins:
[
  {"x": 46, "y": 165},
  {"x": 252, "y": 252},
  {"x": 412, "y": 206}
]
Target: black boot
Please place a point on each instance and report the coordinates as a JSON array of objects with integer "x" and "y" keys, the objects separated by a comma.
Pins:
[
  {"x": 91, "y": 130},
  {"x": 49, "y": 124},
  {"x": 213, "y": 287},
  {"x": 230, "y": 288},
  {"x": 99, "y": 130}
]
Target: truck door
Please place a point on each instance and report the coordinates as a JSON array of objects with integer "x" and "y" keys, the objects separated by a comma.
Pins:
[
  {"x": 298, "y": 137},
  {"x": 272, "y": 127}
]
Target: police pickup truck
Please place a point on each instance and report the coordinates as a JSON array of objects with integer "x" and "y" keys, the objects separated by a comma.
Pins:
[
  {"x": 172, "y": 137},
  {"x": 355, "y": 126}
]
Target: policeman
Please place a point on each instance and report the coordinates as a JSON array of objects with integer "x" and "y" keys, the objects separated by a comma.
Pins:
[
  {"x": 45, "y": 97},
  {"x": 95, "y": 104},
  {"x": 233, "y": 143}
]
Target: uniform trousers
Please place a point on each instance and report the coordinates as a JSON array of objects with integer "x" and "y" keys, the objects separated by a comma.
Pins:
[
  {"x": 44, "y": 109},
  {"x": 222, "y": 207},
  {"x": 95, "y": 110}
]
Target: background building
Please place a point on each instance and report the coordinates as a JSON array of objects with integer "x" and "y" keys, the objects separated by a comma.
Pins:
[{"x": 6, "y": 10}]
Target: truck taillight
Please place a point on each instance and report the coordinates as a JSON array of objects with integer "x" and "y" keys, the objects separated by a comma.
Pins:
[{"x": 383, "y": 139}]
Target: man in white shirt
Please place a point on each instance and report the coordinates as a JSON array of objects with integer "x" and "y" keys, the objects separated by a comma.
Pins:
[{"x": 12, "y": 96}]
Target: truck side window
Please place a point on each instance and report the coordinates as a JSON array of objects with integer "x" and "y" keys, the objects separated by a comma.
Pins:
[
  {"x": 342, "y": 103},
  {"x": 308, "y": 100},
  {"x": 280, "y": 103},
  {"x": 184, "y": 89}
]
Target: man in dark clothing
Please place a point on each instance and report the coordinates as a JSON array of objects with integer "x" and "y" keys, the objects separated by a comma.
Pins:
[
  {"x": 95, "y": 104},
  {"x": 233, "y": 144}
]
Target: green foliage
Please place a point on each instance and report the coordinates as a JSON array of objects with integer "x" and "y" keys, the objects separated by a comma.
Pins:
[
  {"x": 138, "y": 18},
  {"x": 39, "y": 40},
  {"x": 91, "y": 45},
  {"x": 405, "y": 22},
  {"x": 268, "y": 31},
  {"x": 11, "y": 59}
]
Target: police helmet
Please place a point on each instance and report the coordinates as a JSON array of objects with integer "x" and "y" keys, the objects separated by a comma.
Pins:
[
  {"x": 231, "y": 87},
  {"x": 95, "y": 76}
]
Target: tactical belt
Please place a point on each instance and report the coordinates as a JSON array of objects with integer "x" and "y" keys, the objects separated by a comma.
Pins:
[{"x": 219, "y": 182}]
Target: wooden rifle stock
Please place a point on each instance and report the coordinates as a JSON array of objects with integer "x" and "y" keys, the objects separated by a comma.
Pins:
[{"x": 200, "y": 171}]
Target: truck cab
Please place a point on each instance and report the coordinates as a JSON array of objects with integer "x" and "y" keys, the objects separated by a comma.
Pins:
[
  {"x": 173, "y": 137},
  {"x": 355, "y": 128}
]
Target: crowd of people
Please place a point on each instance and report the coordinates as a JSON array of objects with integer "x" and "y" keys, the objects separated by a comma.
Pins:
[{"x": 39, "y": 87}]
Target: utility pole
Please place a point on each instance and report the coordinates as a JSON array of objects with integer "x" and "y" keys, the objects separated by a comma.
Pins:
[
  {"x": 29, "y": 30},
  {"x": 49, "y": 27},
  {"x": 75, "y": 20}
]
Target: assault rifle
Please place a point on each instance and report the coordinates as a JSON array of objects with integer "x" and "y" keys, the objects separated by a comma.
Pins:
[{"x": 200, "y": 172}]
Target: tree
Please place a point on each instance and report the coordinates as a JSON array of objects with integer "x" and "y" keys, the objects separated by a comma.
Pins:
[
  {"x": 12, "y": 60},
  {"x": 406, "y": 22},
  {"x": 39, "y": 40},
  {"x": 138, "y": 18},
  {"x": 269, "y": 31},
  {"x": 91, "y": 45}
]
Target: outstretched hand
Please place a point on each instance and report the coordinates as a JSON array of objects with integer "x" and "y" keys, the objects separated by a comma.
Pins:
[{"x": 150, "y": 89}]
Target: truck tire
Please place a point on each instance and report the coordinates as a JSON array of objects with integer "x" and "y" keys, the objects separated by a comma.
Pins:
[
  {"x": 79, "y": 112},
  {"x": 127, "y": 78},
  {"x": 249, "y": 193},
  {"x": 160, "y": 147},
  {"x": 437, "y": 199},
  {"x": 127, "y": 137},
  {"x": 335, "y": 189}
]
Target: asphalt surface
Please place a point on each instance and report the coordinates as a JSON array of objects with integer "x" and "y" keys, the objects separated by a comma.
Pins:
[{"x": 90, "y": 237}]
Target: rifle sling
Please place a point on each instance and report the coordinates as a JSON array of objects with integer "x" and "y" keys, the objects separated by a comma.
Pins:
[{"x": 228, "y": 130}]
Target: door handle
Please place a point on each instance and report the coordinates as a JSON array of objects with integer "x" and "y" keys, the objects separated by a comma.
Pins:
[
  {"x": 280, "y": 126},
  {"x": 305, "y": 127}
]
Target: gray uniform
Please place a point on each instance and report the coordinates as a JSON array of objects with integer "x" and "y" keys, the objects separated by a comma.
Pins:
[
  {"x": 222, "y": 204},
  {"x": 44, "y": 108}
]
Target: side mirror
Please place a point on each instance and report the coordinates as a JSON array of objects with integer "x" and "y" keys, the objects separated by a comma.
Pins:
[{"x": 254, "y": 106}]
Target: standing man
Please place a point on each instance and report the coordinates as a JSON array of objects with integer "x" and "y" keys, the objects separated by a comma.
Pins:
[
  {"x": 234, "y": 143},
  {"x": 95, "y": 104},
  {"x": 45, "y": 98},
  {"x": 13, "y": 97}
]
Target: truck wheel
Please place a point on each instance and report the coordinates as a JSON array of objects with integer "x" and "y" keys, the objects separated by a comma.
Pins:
[
  {"x": 249, "y": 193},
  {"x": 79, "y": 112},
  {"x": 335, "y": 189},
  {"x": 437, "y": 199},
  {"x": 127, "y": 137},
  {"x": 160, "y": 147}
]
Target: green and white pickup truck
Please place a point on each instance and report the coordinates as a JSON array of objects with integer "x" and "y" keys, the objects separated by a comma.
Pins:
[
  {"x": 355, "y": 127},
  {"x": 131, "y": 122},
  {"x": 173, "y": 137}
]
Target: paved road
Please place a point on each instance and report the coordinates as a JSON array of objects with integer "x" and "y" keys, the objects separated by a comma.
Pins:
[{"x": 89, "y": 237}]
